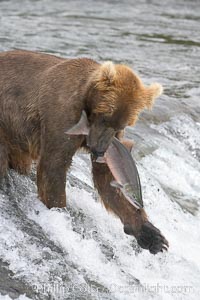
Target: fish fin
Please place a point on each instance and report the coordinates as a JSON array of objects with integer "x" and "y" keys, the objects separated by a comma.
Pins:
[
  {"x": 128, "y": 144},
  {"x": 81, "y": 128},
  {"x": 101, "y": 159},
  {"x": 116, "y": 184}
]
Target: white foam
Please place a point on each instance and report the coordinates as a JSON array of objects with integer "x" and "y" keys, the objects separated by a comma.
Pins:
[{"x": 6, "y": 297}]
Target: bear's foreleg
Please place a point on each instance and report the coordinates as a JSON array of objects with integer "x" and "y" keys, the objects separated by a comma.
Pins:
[
  {"x": 135, "y": 221},
  {"x": 51, "y": 182},
  {"x": 55, "y": 160},
  {"x": 114, "y": 200}
]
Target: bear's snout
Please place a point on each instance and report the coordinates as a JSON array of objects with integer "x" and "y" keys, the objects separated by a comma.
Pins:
[
  {"x": 99, "y": 139},
  {"x": 97, "y": 153}
]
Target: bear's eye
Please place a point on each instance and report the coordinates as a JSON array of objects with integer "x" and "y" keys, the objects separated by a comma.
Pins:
[
  {"x": 104, "y": 120},
  {"x": 118, "y": 130},
  {"x": 120, "y": 127}
]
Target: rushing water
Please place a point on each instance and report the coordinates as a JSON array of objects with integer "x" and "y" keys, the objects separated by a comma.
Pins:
[{"x": 82, "y": 253}]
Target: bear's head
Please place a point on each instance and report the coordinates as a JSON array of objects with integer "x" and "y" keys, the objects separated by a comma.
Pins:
[{"x": 116, "y": 97}]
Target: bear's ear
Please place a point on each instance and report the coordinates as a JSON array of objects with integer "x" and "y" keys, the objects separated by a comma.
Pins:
[
  {"x": 151, "y": 93},
  {"x": 105, "y": 74}
]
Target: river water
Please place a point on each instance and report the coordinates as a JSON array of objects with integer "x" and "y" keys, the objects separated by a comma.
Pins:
[{"x": 82, "y": 253}]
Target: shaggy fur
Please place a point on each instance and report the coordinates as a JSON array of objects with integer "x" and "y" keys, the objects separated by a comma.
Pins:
[{"x": 41, "y": 96}]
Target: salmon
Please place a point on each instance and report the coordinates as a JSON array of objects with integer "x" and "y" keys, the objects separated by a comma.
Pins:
[{"x": 120, "y": 163}]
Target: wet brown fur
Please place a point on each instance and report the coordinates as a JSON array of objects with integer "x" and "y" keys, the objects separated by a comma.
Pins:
[{"x": 41, "y": 96}]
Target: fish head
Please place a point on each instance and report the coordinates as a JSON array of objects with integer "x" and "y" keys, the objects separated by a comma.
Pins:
[
  {"x": 131, "y": 194},
  {"x": 128, "y": 189}
]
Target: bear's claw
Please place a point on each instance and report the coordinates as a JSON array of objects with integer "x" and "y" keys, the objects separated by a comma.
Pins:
[{"x": 151, "y": 238}]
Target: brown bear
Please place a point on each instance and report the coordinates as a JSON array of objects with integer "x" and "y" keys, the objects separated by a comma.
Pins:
[{"x": 42, "y": 96}]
